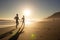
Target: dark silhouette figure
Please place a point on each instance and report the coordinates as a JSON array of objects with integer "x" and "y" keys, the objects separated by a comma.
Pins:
[
  {"x": 23, "y": 21},
  {"x": 16, "y": 18},
  {"x": 15, "y": 37}
]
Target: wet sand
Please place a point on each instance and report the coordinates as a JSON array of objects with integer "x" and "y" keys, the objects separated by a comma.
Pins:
[
  {"x": 42, "y": 31},
  {"x": 6, "y": 29},
  {"x": 39, "y": 31}
]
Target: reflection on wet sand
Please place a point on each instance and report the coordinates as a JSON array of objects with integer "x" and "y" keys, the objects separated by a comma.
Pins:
[{"x": 39, "y": 31}]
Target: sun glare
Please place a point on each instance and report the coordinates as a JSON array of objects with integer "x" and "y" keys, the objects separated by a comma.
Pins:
[
  {"x": 27, "y": 22},
  {"x": 27, "y": 12}
]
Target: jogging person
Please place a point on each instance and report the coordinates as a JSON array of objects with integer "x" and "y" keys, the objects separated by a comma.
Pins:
[
  {"x": 17, "y": 20},
  {"x": 23, "y": 21}
]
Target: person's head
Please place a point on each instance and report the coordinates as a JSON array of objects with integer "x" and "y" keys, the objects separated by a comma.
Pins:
[
  {"x": 23, "y": 15},
  {"x": 16, "y": 14}
]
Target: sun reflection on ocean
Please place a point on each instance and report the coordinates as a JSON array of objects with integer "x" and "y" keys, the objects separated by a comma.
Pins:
[{"x": 27, "y": 22}]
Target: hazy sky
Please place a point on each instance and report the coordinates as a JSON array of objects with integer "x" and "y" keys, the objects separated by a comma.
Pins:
[{"x": 40, "y": 8}]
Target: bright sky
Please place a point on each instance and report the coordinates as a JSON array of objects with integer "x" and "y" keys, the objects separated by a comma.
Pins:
[{"x": 38, "y": 8}]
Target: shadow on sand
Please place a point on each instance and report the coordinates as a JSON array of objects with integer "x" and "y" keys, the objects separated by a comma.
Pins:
[
  {"x": 15, "y": 37},
  {"x": 6, "y": 34}
]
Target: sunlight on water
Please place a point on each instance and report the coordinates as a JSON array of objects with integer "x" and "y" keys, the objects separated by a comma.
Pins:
[{"x": 27, "y": 23}]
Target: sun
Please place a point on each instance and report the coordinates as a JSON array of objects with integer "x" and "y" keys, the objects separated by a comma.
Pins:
[{"x": 27, "y": 12}]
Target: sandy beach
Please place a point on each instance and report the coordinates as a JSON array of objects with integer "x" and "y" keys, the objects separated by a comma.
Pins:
[{"x": 37, "y": 31}]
